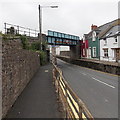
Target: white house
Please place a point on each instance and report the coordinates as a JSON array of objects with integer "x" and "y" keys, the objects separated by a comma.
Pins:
[{"x": 110, "y": 44}]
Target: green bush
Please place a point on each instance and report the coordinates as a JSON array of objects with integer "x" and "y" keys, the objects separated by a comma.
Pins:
[
  {"x": 43, "y": 57},
  {"x": 35, "y": 46},
  {"x": 7, "y": 37},
  {"x": 4, "y": 37},
  {"x": 0, "y": 33},
  {"x": 24, "y": 41}
]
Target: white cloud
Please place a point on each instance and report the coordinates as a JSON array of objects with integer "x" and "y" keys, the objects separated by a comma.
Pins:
[{"x": 72, "y": 16}]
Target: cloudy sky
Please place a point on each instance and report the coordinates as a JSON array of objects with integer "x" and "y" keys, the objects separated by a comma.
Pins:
[{"x": 73, "y": 16}]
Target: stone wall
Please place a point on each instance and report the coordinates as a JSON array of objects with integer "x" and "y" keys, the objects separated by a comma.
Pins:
[
  {"x": 65, "y": 53},
  {"x": 75, "y": 51},
  {"x": 93, "y": 65},
  {"x": 18, "y": 67}
]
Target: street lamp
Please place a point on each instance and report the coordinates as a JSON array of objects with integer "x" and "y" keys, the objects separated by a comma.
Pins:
[{"x": 40, "y": 22}]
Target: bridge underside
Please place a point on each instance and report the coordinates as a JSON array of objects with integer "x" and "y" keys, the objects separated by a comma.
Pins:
[
  {"x": 74, "y": 46},
  {"x": 61, "y": 41}
]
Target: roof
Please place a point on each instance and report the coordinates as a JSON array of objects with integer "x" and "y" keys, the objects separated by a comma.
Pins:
[
  {"x": 108, "y": 28},
  {"x": 114, "y": 31},
  {"x": 103, "y": 29}
]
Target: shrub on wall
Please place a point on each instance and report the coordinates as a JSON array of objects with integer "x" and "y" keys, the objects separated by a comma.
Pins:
[
  {"x": 35, "y": 46},
  {"x": 43, "y": 54},
  {"x": 43, "y": 57},
  {"x": 24, "y": 41},
  {"x": 7, "y": 37}
]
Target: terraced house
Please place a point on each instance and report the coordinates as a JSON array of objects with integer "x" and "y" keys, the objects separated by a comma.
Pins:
[
  {"x": 92, "y": 41},
  {"x": 110, "y": 44}
]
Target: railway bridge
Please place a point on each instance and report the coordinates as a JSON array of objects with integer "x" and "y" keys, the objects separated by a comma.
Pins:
[{"x": 62, "y": 39}]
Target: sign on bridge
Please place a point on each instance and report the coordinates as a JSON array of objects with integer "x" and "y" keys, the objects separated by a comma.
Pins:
[{"x": 57, "y": 38}]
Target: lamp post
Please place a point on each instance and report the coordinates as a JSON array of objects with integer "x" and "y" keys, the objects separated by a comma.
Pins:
[{"x": 40, "y": 22}]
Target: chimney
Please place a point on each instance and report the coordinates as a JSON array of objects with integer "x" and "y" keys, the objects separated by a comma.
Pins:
[{"x": 93, "y": 27}]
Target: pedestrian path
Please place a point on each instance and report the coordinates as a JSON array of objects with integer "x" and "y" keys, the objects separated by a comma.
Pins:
[{"x": 38, "y": 100}]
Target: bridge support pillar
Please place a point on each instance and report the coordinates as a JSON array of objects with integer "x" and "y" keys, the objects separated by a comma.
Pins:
[{"x": 75, "y": 52}]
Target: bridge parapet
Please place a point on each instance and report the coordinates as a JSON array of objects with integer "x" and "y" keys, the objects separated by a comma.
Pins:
[{"x": 57, "y": 38}]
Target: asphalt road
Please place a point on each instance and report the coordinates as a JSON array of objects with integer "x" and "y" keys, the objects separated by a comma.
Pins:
[{"x": 98, "y": 90}]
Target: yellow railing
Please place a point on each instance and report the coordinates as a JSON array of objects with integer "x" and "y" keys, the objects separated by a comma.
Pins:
[{"x": 73, "y": 107}]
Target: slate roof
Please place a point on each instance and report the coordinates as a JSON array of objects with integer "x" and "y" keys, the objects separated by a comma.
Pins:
[
  {"x": 114, "y": 31},
  {"x": 103, "y": 29},
  {"x": 111, "y": 26}
]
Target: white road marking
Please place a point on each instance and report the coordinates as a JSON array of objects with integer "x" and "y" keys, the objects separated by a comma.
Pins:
[
  {"x": 83, "y": 73},
  {"x": 46, "y": 71},
  {"x": 90, "y": 75},
  {"x": 88, "y": 68},
  {"x": 106, "y": 100},
  {"x": 103, "y": 82}
]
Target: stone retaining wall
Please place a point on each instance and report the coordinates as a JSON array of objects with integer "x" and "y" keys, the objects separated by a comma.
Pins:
[
  {"x": 18, "y": 67},
  {"x": 65, "y": 53},
  {"x": 93, "y": 65}
]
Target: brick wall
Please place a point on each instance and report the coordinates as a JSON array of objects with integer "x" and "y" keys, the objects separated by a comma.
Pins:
[{"x": 18, "y": 67}]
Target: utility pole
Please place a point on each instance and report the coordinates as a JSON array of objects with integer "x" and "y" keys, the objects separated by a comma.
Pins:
[
  {"x": 40, "y": 22},
  {"x": 40, "y": 27}
]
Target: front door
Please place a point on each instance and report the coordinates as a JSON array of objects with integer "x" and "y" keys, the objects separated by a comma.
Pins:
[{"x": 117, "y": 52}]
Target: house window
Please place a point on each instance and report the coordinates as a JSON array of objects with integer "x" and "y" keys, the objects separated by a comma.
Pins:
[
  {"x": 94, "y": 51},
  {"x": 105, "y": 52},
  {"x": 116, "y": 40},
  {"x": 93, "y": 36},
  {"x": 105, "y": 41}
]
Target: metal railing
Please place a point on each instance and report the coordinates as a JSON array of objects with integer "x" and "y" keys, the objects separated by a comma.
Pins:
[
  {"x": 73, "y": 107},
  {"x": 16, "y": 29}
]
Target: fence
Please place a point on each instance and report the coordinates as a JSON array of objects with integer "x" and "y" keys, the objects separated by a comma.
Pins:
[
  {"x": 15, "y": 29},
  {"x": 74, "y": 108}
]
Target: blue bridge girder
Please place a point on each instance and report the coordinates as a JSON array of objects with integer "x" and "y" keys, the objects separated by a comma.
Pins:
[{"x": 57, "y": 38}]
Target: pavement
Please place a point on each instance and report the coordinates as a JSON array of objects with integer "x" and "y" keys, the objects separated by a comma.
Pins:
[
  {"x": 38, "y": 100},
  {"x": 98, "y": 90}
]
